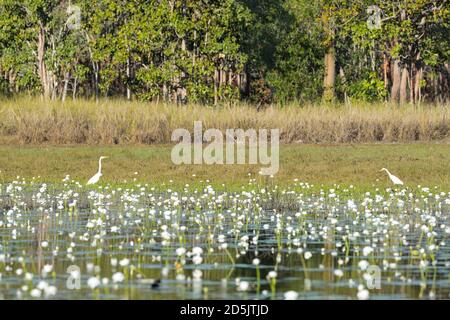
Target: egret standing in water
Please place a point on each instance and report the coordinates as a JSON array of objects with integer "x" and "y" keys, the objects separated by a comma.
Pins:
[
  {"x": 97, "y": 176},
  {"x": 393, "y": 178}
]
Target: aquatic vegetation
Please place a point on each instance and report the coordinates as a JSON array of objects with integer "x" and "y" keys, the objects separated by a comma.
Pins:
[{"x": 69, "y": 240}]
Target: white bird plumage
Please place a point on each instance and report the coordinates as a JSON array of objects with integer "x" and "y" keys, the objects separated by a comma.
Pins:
[
  {"x": 395, "y": 180},
  {"x": 97, "y": 176}
]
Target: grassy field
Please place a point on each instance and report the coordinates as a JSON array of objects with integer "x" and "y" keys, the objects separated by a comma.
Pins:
[
  {"x": 425, "y": 164},
  {"x": 51, "y": 139},
  {"x": 117, "y": 122}
]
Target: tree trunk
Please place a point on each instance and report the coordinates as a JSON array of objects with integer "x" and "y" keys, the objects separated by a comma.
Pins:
[
  {"x": 66, "y": 86},
  {"x": 385, "y": 71},
  {"x": 74, "y": 89},
  {"x": 395, "y": 78},
  {"x": 11, "y": 77},
  {"x": 343, "y": 81},
  {"x": 182, "y": 91},
  {"x": 417, "y": 90},
  {"x": 194, "y": 51},
  {"x": 42, "y": 68},
  {"x": 96, "y": 79},
  {"x": 165, "y": 92},
  {"x": 216, "y": 80},
  {"x": 447, "y": 81},
  {"x": 412, "y": 79},
  {"x": 95, "y": 67},
  {"x": 128, "y": 77},
  {"x": 330, "y": 74},
  {"x": 404, "y": 86}
]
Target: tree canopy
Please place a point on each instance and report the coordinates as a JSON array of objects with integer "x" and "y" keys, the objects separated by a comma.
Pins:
[{"x": 208, "y": 51}]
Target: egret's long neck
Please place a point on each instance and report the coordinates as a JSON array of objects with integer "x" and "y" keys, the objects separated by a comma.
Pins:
[
  {"x": 387, "y": 171},
  {"x": 100, "y": 165}
]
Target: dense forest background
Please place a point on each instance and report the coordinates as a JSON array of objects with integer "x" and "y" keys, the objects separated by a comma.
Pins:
[{"x": 205, "y": 51}]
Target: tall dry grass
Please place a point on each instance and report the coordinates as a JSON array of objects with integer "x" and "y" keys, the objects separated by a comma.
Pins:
[{"x": 31, "y": 120}]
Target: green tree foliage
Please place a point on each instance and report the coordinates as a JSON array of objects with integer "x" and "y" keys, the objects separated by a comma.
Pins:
[
  {"x": 298, "y": 59},
  {"x": 208, "y": 51}
]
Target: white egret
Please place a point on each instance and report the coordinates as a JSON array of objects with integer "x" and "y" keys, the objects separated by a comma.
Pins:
[
  {"x": 395, "y": 180},
  {"x": 97, "y": 176}
]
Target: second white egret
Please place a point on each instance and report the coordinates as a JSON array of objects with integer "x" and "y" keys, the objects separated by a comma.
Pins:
[
  {"x": 395, "y": 180},
  {"x": 97, "y": 176}
]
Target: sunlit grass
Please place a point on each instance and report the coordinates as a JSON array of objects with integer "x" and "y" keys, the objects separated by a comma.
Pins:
[
  {"x": 358, "y": 165},
  {"x": 31, "y": 120}
]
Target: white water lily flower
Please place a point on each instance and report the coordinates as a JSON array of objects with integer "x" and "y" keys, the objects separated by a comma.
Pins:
[
  {"x": 290, "y": 295},
  {"x": 338, "y": 273},
  {"x": 35, "y": 293},
  {"x": 197, "y": 274},
  {"x": 114, "y": 262},
  {"x": 47, "y": 268},
  {"x": 42, "y": 285},
  {"x": 165, "y": 272},
  {"x": 180, "y": 277},
  {"x": 363, "y": 264},
  {"x": 93, "y": 282},
  {"x": 367, "y": 251},
  {"x": 363, "y": 294},
  {"x": 124, "y": 262},
  {"x": 50, "y": 291},
  {"x": 180, "y": 251},
  {"x": 243, "y": 286},
  {"x": 118, "y": 277},
  {"x": 197, "y": 260}
]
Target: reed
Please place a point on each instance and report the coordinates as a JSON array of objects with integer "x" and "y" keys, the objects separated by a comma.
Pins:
[{"x": 29, "y": 120}]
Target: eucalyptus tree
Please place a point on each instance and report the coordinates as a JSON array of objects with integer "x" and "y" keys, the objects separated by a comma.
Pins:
[{"x": 209, "y": 51}]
